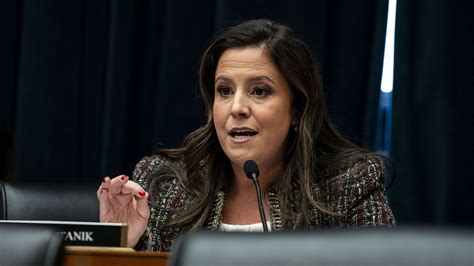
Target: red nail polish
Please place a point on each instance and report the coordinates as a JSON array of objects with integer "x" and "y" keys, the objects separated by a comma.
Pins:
[
  {"x": 122, "y": 178},
  {"x": 103, "y": 180},
  {"x": 141, "y": 193}
]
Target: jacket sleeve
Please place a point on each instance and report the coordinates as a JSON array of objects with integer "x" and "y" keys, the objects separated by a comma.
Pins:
[
  {"x": 147, "y": 175},
  {"x": 154, "y": 174},
  {"x": 369, "y": 204}
]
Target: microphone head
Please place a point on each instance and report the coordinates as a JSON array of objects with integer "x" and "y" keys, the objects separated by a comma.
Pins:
[{"x": 251, "y": 169}]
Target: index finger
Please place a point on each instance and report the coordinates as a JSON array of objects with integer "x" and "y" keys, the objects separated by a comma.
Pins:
[{"x": 116, "y": 184}]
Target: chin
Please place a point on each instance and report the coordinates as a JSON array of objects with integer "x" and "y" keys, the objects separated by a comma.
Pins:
[{"x": 240, "y": 158}]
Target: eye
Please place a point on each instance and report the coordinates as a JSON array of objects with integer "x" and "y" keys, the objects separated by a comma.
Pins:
[
  {"x": 224, "y": 91},
  {"x": 261, "y": 91}
]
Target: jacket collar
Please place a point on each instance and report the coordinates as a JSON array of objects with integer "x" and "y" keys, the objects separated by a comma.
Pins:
[{"x": 215, "y": 216}]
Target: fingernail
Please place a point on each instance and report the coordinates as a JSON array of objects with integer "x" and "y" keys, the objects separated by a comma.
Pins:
[
  {"x": 103, "y": 180},
  {"x": 141, "y": 193},
  {"x": 122, "y": 178}
]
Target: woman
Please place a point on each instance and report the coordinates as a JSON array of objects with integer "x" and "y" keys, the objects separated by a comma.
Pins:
[{"x": 264, "y": 102}]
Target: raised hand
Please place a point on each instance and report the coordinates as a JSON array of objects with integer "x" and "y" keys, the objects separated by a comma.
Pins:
[{"x": 124, "y": 201}]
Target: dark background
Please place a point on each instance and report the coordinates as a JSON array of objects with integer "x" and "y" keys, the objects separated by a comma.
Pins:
[{"x": 89, "y": 87}]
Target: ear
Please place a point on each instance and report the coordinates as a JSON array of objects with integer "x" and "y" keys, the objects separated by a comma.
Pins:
[
  {"x": 295, "y": 118},
  {"x": 295, "y": 125},
  {"x": 295, "y": 114}
]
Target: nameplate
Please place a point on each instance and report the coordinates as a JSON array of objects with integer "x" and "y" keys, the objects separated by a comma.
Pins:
[{"x": 84, "y": 233}]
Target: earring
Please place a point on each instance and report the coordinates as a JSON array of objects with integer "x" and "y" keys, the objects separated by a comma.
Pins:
[{"x": 296, "y": 128}]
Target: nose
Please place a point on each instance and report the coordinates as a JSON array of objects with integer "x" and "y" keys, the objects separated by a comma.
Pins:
[{"x": 239, "y": 106}]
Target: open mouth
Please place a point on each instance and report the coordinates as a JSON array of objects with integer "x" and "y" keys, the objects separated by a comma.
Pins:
[{"x": 242, "y": 133}]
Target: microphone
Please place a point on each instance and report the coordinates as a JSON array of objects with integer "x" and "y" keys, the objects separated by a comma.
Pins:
[{"x": 252, "y": 172}]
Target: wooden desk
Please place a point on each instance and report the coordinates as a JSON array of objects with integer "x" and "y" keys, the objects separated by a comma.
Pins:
[{"x": 76, "y": 255}]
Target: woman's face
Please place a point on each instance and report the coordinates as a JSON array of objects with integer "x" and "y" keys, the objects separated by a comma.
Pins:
[{"x": 252, "y": 108}]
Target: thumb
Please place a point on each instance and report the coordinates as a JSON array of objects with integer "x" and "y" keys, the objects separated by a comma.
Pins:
[{"x": 142, "y": 205}]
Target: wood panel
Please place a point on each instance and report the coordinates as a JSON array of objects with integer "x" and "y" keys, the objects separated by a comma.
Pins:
[{"x": 104, "y": 256}]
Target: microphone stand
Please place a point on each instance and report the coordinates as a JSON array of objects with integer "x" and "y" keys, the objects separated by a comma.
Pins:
[{"x": 260, "y": 204}]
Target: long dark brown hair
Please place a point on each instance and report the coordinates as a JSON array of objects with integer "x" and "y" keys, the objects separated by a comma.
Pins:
[{"x": 315, "y": 152}]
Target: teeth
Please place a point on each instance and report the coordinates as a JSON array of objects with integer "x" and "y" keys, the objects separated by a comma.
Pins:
[{"x": 242, "y": 133}]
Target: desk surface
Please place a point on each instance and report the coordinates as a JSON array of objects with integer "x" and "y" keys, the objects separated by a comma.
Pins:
[{"x": 76, "y": 255}]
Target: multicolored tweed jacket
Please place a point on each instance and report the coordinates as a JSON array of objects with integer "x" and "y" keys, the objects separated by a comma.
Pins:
[{"x": 357, "y": 193}]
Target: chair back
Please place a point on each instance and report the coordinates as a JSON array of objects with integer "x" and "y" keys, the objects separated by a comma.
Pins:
[
  {"x": 413, "y": 246},
  {"x": 49, "y": 201},
  {"x": 25, "y": 245}
]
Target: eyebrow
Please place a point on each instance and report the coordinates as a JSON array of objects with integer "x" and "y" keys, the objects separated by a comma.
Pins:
[{"x": 252, "y": 79}]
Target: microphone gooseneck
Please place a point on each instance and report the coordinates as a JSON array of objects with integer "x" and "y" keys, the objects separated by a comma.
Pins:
[{"x": 252, "y": 172}]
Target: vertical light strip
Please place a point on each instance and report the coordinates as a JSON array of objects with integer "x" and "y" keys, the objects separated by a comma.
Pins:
[
  {"x": 383, "y": 130},
  {"x": 387, "y": 72}
]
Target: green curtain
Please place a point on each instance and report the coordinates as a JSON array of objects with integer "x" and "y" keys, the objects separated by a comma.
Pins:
[{"x": 433, "y": 124}]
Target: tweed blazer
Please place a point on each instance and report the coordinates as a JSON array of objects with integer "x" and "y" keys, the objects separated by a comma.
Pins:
[{"x": 357, "y": 194}]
